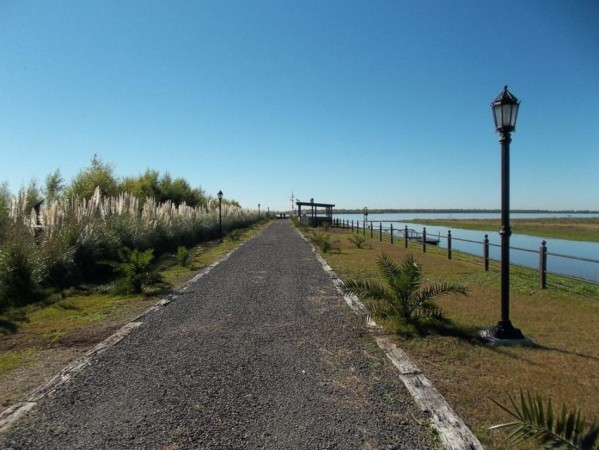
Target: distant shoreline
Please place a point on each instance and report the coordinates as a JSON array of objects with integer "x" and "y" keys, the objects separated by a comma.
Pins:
[{"x": 464, "y": 211}]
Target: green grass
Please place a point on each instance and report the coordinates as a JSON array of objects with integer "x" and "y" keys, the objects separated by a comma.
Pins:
[{"x": 561, "y": 320}]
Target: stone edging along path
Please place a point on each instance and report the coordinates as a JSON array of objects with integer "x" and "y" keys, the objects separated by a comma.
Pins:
[{"x": 453, "y": 432}]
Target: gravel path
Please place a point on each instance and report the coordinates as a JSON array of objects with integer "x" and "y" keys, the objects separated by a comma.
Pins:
[{"x": 262, "y": 352}]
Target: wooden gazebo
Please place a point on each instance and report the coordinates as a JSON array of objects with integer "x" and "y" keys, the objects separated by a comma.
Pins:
[{"x": 312, "y": 215}]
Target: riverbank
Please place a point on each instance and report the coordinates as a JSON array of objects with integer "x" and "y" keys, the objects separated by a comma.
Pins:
[
  {"x": 467, "y": 372},
  {"x": 574, "y": 229}
]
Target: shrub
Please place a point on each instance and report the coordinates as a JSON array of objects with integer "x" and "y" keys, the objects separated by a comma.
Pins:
[
  {"x": 136, "y": 269},
  {"x": 401, "y": 294},
  {"x": 536, "y": 419},
  {"x": 322, "y": 241},
  {"x": 358, "y": 240},
  {"x": 235, "y": 235}
]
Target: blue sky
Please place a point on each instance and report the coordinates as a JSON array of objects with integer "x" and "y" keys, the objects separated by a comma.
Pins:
[{"x": 384, "y": 104}]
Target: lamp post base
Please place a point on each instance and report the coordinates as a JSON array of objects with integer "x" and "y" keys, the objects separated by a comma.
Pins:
[{"x": 504, "y": 333}]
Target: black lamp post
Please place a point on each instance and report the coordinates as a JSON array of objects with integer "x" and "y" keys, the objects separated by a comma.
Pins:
[
  {"x": 505, "y": 112},
  {"x": 220, "y": 216}
]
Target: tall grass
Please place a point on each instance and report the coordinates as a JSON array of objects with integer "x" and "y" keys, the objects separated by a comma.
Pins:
[{"x": 68, "y": 240}]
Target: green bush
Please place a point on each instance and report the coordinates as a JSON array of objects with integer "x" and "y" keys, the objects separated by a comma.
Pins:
[
  {"x": 401, "y": 293},
  {"x": 183, "y": 256},
  {"x": 322, "y": 241},
  {"x": 358, "y": 240},
  {"x": 136, "y": 269}
]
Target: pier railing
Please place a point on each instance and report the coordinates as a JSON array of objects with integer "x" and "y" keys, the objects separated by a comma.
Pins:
[{"x": 403, "y": 235}]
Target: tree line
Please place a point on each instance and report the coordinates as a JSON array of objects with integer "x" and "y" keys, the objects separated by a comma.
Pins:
[
  {"x": 60, "y": 235},
  {"x": 150, "y": 184}
]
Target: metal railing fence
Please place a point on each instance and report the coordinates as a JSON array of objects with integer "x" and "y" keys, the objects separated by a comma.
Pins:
[{"x": 407, "y": 234}]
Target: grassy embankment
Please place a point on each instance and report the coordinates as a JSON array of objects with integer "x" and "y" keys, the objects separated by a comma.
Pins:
[
  {"x": 562, "y": 321},
  {"x": 578, "y": 229},
  {"x": 38, "y": 340}
]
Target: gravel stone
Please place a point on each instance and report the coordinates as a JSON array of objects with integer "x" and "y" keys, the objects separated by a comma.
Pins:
[{"x": 260, "y": 353}]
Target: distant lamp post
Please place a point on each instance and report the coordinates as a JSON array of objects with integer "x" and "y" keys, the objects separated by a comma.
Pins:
[
  {"x": 505, "y": 112},
  {"x": 220, "y": 216}
]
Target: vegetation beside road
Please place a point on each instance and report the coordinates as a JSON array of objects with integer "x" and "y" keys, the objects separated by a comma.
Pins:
[
  {"x": 561, "y": 321},
  {"x": 79, "y": 260},
  {"x": 575, "y": 229},
  {"x": 39, "y": 339}
]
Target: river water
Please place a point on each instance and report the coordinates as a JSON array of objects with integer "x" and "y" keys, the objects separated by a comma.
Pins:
[{"x": 524, "y": 249}]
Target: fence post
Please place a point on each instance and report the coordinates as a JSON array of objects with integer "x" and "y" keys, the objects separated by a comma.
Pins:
[
  {"x": 543, "y": 264},
  {"x": 352, "y": 225},
  {"x": 380, "y": 232},
  {"x": 448, "y": 244},
  {"x": 363, "y": 228},
  {"x": 405, "y": 237},
  {"x": 391, "y": 234},
  {"x": 371, "y": 233},
  {"x": 424, "y": 240},
  {"x": 486, "y": 252}
]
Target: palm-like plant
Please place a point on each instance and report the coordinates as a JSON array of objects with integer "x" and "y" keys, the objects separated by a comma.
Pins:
[
  {"x": 136, "y": 267},
  {"x": 401, "y": 293},
  {"x": 536, "y": 419}
]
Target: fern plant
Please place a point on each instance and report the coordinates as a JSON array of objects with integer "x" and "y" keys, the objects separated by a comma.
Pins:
[
  {"x": 401, "y": 293},
  {"x": 536, "y": 419}
]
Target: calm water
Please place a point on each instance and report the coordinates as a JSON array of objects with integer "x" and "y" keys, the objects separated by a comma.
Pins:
[{"x": 524, "y": 249}]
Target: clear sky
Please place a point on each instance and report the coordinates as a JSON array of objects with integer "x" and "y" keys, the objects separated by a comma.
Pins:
[{"x": 384, "y": 104}]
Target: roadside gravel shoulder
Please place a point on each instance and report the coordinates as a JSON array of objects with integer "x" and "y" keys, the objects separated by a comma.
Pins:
[{"x": 261, "y": 352}]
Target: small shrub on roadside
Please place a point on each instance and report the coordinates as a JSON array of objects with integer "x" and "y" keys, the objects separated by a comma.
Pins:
[
  {"x": 137, "y": 271},
  {"x": 235, "y": 235},
  {"x": 358, "y": 240},
  {"x": 323, "y": 241},
  {"x": 18, "y": 281},
  {"x": 401, "y": 294}
]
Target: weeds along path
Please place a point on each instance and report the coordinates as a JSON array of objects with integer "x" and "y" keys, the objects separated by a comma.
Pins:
[{"x": 261, "y": 352}]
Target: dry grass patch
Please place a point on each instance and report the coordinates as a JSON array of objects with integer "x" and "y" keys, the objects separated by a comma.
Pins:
[{"x": 561, "y": 320}]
